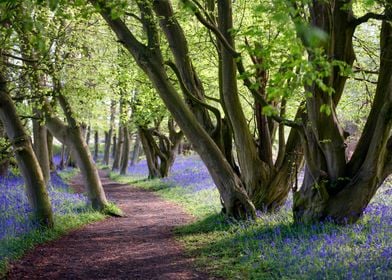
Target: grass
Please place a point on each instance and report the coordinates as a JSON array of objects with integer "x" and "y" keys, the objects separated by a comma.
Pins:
[{"x": 273, "y": 247}]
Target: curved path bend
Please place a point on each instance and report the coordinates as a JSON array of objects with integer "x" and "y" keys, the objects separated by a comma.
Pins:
[{"x": 137, "y": 246}]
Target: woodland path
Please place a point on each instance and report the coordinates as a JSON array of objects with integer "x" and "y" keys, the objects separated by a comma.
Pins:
[{"x": 137, "y": 246}]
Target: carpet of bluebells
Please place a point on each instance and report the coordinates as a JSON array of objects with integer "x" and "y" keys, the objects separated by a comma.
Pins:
[
  {"x": 15, "y": 218},
  {"x": 188, "y": 172},
  {"x": 275, "y": 248}
]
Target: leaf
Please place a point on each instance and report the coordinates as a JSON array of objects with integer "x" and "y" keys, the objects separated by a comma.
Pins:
[
  {"x": 53, "y": 4},
  {"x": 325, "y": 108}
]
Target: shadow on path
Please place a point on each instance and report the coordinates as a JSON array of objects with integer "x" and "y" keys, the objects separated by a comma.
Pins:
[{"x": 137, "y": 246}]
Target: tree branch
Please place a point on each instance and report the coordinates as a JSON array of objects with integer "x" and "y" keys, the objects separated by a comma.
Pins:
[
  {"x": 19, "y": 58},
  {"x": 132, "y": 15},
  {"x": 240, "y": 66},
  {"x": 214, "y": 110},
  {"x": 366, "y": 17}
]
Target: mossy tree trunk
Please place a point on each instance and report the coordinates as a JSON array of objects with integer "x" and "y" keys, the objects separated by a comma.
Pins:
[
  {"x": 4, "y": 156},
  {"x": 72, "y": 136},
  {"x": 41, "y": 147},
  {"x": 50, "y": 139},
  {"x": 26, "y": 158}
]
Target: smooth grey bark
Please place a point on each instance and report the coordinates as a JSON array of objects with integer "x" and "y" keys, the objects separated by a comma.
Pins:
[
  {"x": 136, "y": 150},
  {"x": 253, "y": 170},
  {"x": 180, "y": 50},
  {"x": 125, "y": 153},
  {"x": 108, "y": 134},
  {"x": 120, "y": 138},
  {"x": 119, "y": 148},
  {"x": 26, "y": 159},
  {"x": 41, "y": 148}
]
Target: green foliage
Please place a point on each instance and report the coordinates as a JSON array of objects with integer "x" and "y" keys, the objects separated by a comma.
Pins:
[
  {"x": 5, "y": 149},
  {"x": 147, "y": 106},
  {"x": 113, "y": 210}
]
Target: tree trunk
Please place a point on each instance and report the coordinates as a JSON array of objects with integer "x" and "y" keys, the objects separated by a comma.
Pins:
[
  {"x": 341, "y": 191},
  {"x": 179, "y": 47},
  {"x": 69, "y": 161},
  {"x": 125, "y": 153},
  {"x": 108, "y": 135},
  {"x": 114, "y": 146},
  {"x": 119, "y": 148},
  {"x": 151, "y": 157},
  {"x": 72, "y": 136},
  {"x": 120, "y": 139},
  {"x": 25, "y": 156},
  {"x": 136, "y": 150},
  {"x": 253, "y": 170},
  {"x": 4, "y": 157},
  {"x": 96, "y": 145},
  {"x": 88, "y": 135},
  {"x": 52, "y": 166},
  {"x": 41, "y": 148},
  {"x": 63, "y": 157},
  {"x": 106, "y": 153}
]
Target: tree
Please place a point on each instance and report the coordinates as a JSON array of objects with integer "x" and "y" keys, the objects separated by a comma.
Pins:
[
  {"x": 334, "y": 187},
  {"x": 16, "y": 133},
  {"x": 109, "y": 133},
  {"x": 160, "y": 157},
  {"x": 149, "y": 58},
  {"x": 44, "y": 56},
  {"x": 26, "y": 159}
]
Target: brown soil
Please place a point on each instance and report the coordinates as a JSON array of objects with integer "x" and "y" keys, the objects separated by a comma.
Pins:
[{"x": 137, "y": 246}]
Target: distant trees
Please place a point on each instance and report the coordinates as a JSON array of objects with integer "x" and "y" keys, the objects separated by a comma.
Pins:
[
  {"x": 160, "y": 153},
  {"x": 257, "y": 95}
]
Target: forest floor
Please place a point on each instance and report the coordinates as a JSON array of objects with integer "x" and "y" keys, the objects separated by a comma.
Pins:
[{"x": 139, "y": 245}]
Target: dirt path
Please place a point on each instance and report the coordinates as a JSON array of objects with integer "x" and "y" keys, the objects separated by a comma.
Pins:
[{"x": 138, "y": 246}]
